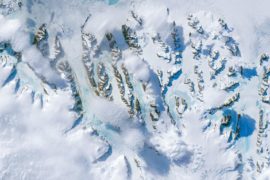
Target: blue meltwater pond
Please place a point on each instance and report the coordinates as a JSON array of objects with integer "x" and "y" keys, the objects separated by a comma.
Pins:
[{"x": 111, "y": 2}]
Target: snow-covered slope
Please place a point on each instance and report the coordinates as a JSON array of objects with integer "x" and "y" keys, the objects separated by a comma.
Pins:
[{"x": 144, "y": 89}]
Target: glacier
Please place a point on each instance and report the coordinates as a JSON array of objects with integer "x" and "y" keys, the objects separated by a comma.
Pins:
[{"x": 140, "y": 89}]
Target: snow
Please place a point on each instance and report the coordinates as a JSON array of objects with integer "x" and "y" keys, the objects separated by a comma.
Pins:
[
  {"x": 118, "y": 169},
  {"x": 115, "y": 115},
  {"x": 8, "y": 28},
  {"x": 20, "y": 41},
  {"x": 42, "y": 137},
  {"x": 265, "y": 176},
  {"x": 170, "y": 143},
  {"x": 138, "y": 68},
  {"x": 41, "y": 64},
  {"x": 33, "y": 138},
  {"x": 214, "y": 98},
  {"x": 133, "y": 138}
]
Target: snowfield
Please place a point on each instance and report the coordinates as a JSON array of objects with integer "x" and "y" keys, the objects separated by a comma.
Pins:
[{"x": 141, "y": 89}]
